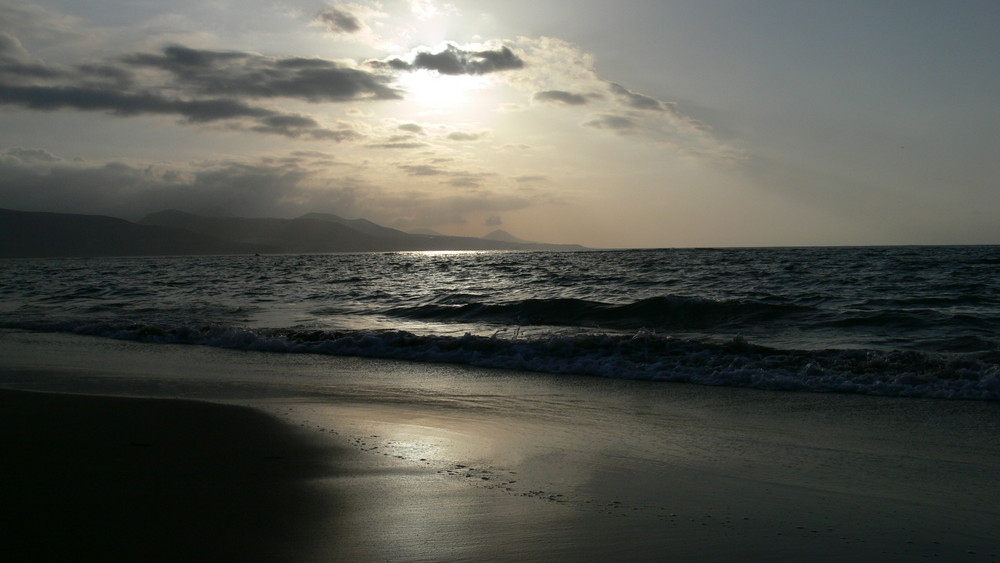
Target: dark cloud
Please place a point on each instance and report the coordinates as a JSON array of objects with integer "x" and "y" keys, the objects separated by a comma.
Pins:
[
  {"x": 339, "y": 20},
  {"x": 109, "y": 74},
  {"x": 618, "y": 123},
  {"x": 208, "y": 86},
  {"x": 255, "y": 76},
  {"x": 454, "y": 60},
  {"x": 462, "y": 136},
  {"x": 639, "y": 101},
  {"x": 561, "y": 97},
  {"x": 493, "y": 221},
  {"x": 193, "y": 111},
  {"x": 122, "y": 103},
  {"x": 295, "y": 126}
]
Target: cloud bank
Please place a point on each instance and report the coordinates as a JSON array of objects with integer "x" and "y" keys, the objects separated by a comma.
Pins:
[{"x": 36, "y": 180}]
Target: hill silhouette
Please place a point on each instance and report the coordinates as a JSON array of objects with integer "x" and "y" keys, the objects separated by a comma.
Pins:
[
  {"x": 37, "y": 234},
  {"x": 40, "y": 234}
]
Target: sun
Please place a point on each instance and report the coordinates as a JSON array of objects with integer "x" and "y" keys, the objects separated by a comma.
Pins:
[{"x": 431, "y": 91}]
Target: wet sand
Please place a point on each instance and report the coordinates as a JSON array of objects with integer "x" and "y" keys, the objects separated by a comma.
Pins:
[
  {"x": 360, "y": 460},
  {"x": 105, "y": 479}
]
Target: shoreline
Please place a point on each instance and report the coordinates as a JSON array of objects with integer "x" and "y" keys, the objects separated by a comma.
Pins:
[{"x": 371, "y": 460}]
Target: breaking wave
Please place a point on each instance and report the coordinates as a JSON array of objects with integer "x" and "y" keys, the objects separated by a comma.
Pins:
[
  {"x": 670, "y": 312},
  {"x": 642, "y": 356}
]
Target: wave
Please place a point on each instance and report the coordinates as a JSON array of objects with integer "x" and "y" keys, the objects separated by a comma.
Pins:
[
  {"x": 671, "y": 312},
  {"x": 643, "y": 356}
]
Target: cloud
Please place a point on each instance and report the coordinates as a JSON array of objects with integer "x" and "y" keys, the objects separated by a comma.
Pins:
[
  {"x": 639, "y": 101},
  {"x": 43, "y": 26},
  {"x": 454, "y": 60},
  {"x": 339, "y": 19},
  {"x": 10, "y": 47},
  {"x": 298, "y": 126},
  {"x": 275, "y": 187},
  {"x": 463, "y": 136},
  {"x": 560, "y": 72},
  {"x": 466, "y": 181},
  {"x": 493, "y": 221},
  {"x": 262, "y": 120},
  {"x": 455, "y": 178},
  {"x": 397, "y": 145},
  {"x": 233, "y": 73},
  {"x": 560, "y": 97},
  {"x": 16, "y": 63},
  {"x": 202, "y": 87},
  {"x": 618, "y": 123},
  {"x": 32, "y": 155},
  {"x": 412, "y": 128},
  {"x": 421, "y": 170},
  {"x": 92, "y": 99},
  {"x": 350, "y": 22},
  {"x": 313, "y": 154}
]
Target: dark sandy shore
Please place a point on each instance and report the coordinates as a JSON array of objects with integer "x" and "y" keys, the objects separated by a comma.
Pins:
[
  {"x": 356, "y": 460},
  {"x": 112, "y": 479}
]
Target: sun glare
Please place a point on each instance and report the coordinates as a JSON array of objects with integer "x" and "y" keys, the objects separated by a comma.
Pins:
[{"x": 433, "y": 91}]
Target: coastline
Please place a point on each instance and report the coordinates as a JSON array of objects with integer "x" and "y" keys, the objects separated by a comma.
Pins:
[{"x": 402, "y": 462}]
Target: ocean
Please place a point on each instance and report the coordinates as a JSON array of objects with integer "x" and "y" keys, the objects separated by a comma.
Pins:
[{"x": 891, "y": 321}]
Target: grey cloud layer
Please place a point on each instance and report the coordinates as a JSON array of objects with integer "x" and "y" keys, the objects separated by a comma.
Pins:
[
  {"x": 453, "y": 60},
  {"x": 34, "y": 179},
  {"x": 201, "y": 86},
  {"x": 255, "y": 76}
]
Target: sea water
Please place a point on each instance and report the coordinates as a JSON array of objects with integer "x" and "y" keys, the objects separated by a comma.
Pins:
[{"x": 898, "y": 321}]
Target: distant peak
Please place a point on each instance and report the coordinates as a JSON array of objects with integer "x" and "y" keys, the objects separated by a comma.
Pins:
[{"x": 503, "y": 236}]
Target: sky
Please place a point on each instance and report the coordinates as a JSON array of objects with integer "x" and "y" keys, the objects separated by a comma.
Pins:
[{"x": 608, "y": 124}]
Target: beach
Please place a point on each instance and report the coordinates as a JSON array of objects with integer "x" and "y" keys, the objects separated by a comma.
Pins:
[{"x": 189, "y": 453}]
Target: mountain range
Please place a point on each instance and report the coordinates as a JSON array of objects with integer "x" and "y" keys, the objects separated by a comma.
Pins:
[{"x": 40, "y": 234}]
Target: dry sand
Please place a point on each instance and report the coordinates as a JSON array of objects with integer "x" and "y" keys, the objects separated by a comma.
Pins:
[{"x": 385, "y": 461}]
